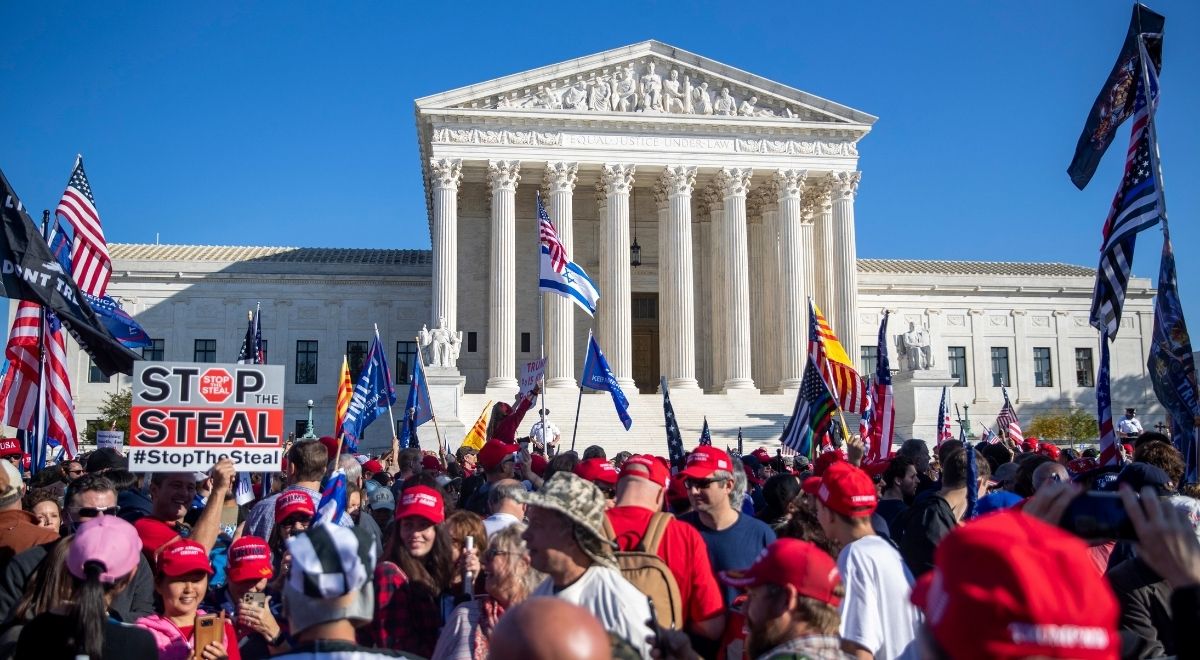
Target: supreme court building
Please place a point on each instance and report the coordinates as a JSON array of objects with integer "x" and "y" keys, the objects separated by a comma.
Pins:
[{"x": 708, "y": 204}]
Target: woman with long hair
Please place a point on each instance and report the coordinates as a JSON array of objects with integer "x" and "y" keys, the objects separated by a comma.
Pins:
[
  {"x": 414, "y": 582},
  {"x": 181, "y": 579},
  {"x": 101, "y": 560},
  {"x": 509, "y": 579},
  {"x": 461, "y": 525}
]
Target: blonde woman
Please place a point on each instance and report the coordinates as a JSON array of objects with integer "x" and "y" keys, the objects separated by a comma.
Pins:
[{"x": 509, "y": 580}]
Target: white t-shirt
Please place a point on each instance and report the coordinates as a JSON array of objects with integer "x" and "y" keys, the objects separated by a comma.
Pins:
[
  {"x": 544, "y": 434},
  {"x": 876, "y": 612},
  {"x": 620, "y": 607},
  {"x": 1129, "y": 426}
]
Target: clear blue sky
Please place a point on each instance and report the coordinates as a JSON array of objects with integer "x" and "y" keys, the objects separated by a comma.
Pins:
[{"x": 291, "y": 123}]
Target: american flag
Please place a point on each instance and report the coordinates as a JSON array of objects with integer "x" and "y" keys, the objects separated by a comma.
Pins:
[
  {"x": 674, "y": 438},
  {"x": 1007, "y": 419},
  {"x": 26, "y": 387},
  {"x": 1110, "y": 451},
  {"x": 1135, "y": 207},
  {"x": 988, "y": 436},
  {"x": 90, "y": 264},
  {"x": 548, "y": 236},
  {"x": 705, "y": 435},
  {"x": 944, "y": 429},
  {"x": 252, "y": 349},
  {"x": 864, "y": 422},
  {"x": 835, "y": 366},
  {"x": 883, "y": 416},
  {"x": 813, "y": 414}
]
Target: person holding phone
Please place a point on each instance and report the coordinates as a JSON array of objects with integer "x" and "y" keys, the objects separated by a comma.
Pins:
[
  {"x": 181, "y": 580},
  {"x": 255, "y": 612}
]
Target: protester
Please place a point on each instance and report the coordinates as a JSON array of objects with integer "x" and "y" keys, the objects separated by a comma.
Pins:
[
  {"x": 19, "y": 529},
  {"x": 72, "y": 470},
  {"x": 779, "y": 493},
  {"x": 101, "y": 560},
  {"x": 50, "y": 586},
  {"x": 171, "y": 494},
  {"x": 181, "y": 580},
  {"x": 600, "y": 473},
  {"x": 43, "y": 504},
  {"x": 1047, "y": 472},
  {"x": 733, "y": 538},
  {"x": 567, "y": 541},
  {"x": 917, "y": 451},
  {"x": 505, "y": 420},
  {"x": 1164, "y": 456},
  {"x": 897, "y": 488},
  {"x": 259, "y": 632},
  {"x": 930, "y": 520},
  {"x": 523, "y": 634},
  {"x": 460, "y": 525},
  {"x": 307, "y": 463},
  {"x": 876, "y": 621},
  {"x": 505, "y": 510},
  {"x": 497, "y": 460},
  {"x": 509, "y": 580},
  {"x": 382, "y": 505},
  {"x": 638, "y": 508},
  {"x": 294, "y": 513}
]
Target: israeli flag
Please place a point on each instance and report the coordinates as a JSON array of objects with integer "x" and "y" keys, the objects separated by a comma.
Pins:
[{"x": 573, "y": 283}]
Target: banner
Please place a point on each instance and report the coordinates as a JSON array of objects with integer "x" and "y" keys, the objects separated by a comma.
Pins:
[
  {"x": 531, "y": 375},
  {"x": 110, "y": 439},
  {"x": 186, "y": 416}
]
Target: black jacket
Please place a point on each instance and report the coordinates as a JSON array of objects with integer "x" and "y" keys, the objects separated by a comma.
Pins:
[
  {"x": 1146, "y": 626},
  {"x": 926, "y": 524},
  {"x": 134, "y": 602}
]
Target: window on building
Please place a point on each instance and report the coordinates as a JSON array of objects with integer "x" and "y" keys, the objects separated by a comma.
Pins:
[
  {"x": 472, "y": 342},
  {"x": 1043, "y": 374},
  {"x": 406, "y": 356},
  {"x": 999, "y": 366},
  {"x": 525, "y": 342},
  {"x": 1085, "y": 372},
  {"x": 356, "y": 352},
  {"x": 205, "y": 350},
  {"x": 870, "y": 359},
  {"x": 958, "y": 364},
  {"x": 155, "y": 351},
  {"x": 306, "y": 362},
  {"x": 301, "y": 427},
  {"x": 265, "y": 352},
  {"x": 399, "y": 428},
  {"x": 95, "y": 375}
]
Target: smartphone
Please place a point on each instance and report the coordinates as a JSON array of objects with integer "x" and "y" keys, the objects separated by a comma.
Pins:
[
  {"x": 255, "y": 598},
  {"x": 1098, "y": 516},
  {"x": 209, "y": 628}
]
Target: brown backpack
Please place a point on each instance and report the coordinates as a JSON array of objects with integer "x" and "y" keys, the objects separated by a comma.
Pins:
[{"x": 643, "y": 568}]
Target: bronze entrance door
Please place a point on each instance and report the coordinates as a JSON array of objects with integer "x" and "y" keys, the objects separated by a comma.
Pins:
[{"x": 645, "y": 342}]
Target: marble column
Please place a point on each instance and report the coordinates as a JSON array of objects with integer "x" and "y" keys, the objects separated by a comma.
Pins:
[
  {"x": 560, "y": 312},
  {"x": 702, "y": 278},
  {"x": 616, "y": 335},
  {"x": 678, "y": 326},
  {"x": 824, "y": 289},
  {"x": 714, "y": 201},
  {"x": 768, "y": 256},
  {"x": 845, "y": 187},
  {"x": 503, "y": 176},
  {"x": 735, "y": 183},
  {"x": 445, "y": 174},
  {"x": 665, "y": 273},
  {"x": 756, "y": 246},
  {"x": 795, "y": 276}
]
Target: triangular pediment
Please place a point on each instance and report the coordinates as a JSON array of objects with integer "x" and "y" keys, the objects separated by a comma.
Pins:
[{"x": 650, "y": 77}]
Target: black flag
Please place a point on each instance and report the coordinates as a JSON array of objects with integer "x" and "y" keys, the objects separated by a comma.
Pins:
[
  {"x": 1114, "y": 104},
  {"x": 29, "y": 271},
  {"x": 674, "y": 439}
]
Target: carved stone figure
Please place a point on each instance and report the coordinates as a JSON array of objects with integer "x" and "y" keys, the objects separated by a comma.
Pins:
[
  {"x": 725, "y": 104},
  {"x": 702, "y": 103},
  {"x": 687, "y": 95},
  {"x": 747, "y": 109},
  {"x": 652, "y": 87},
  {"x": 575, "y": 97},
  {"x": 598, "y": 95},
  {"x": 443, "y": 344},
  {"x": 673, "y": 93},
  {"x": 915, "y": 349},
  {"x": 625, "y": 93}
]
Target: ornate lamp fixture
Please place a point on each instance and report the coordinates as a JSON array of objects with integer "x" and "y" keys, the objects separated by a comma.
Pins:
[
  {"x": 309, "y": 432},
  {"x": 635, "y": 250}
]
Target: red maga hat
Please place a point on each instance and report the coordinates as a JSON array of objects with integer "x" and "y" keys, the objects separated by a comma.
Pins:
[
  {"x": 291, "y": 502},
  {"x": 423, "y": 502},
  {"x": 598, "y": 471},
  {"x": 791, "y": 561},
  {"x": 495, "y": 451},
  {"x": 182, "y": 557},
  {"x": 648, "y": 467},
  {"x": 847, "y": 490},
  {"x": 249, "y": 559},
  {"x": 373, "y": 466},
  {"x": 1007, "y": 585},
  {"x": 705, "y": 460}
]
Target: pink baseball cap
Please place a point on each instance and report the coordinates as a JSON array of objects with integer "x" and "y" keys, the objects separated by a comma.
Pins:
[{"x": 108, "y": 540}]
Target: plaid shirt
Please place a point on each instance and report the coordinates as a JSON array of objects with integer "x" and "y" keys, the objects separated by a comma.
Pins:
[{"x": 405, "y": 619}]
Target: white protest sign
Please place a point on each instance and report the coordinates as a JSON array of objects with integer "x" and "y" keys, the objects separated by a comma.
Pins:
[
  {"x": 531, "y": 375},
  {"x": 110, "y": 439}
]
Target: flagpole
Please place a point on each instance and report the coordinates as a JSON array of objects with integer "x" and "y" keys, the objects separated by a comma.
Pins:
[
  {"x": 37, "y": 453},
  {"x": 542, "y": 342},
  {"x": 391, "y": 418},
  {"x": 1152, "y": 127},
  {"x": 444, "y": 450},
  {"x": 579, "y": 401}
]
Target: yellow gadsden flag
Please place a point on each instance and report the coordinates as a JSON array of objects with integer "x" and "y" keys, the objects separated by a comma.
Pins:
[
  {"x": 344, "y": 392},
  {"x": 475, "y": 438}
]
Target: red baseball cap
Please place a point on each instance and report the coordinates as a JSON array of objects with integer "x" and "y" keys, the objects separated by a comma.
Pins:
[
  {"x": 826, "y": 459},
  {"x": 538, "y": 464},
  {"x": 293, "y": 501},
  {"x": 598, "y": 470},
  {"x": 761, "y": 454},
  {"x": 877, "y": 468},
  {"x": 373, "y": 466},
  {"x": 648, "y": 467},
  {"x": 847, "y": 490},
  {"x": 1029, "y": 444},
  {"x": 705, "y": 460},
  {"x": 10, "y": 447},
  {"x": 1007, "y": 585},
  {"x": 431, "y": 463},
  {"x": 182, "y": 557},
  {"x": 791, "y": 561},
  {"x": 249, "y": 559},
  {"x": 1049, "y": 449},
  {"x": 331, "y": 445},
  {"x": 421, "y": 501},
  {"x": 495, "y": 451},
  {"x": 811, "y": 485}
]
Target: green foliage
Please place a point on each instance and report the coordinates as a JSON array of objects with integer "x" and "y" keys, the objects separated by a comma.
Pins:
[
  {"x": 114, "y": 412},
  {"x": 1076, "y": 425}
]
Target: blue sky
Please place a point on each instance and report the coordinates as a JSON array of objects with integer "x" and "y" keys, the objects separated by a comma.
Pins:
[{"x": 291, "y": 123}]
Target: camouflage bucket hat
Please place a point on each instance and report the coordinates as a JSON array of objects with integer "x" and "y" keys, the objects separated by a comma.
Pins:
[{"x": 583, "y": 504}]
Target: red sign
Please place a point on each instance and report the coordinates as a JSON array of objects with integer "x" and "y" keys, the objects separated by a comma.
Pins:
[{"x": 216, "y": 385}]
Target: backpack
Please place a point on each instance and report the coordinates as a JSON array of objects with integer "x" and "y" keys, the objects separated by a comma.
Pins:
[{"x": 643, "y": 568}]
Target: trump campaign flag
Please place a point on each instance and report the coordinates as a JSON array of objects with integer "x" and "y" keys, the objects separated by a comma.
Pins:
[
  {"x": 373, "y": 395},
  {"x": 417, "y": 409},
  {"x": 597, "y": 376}
]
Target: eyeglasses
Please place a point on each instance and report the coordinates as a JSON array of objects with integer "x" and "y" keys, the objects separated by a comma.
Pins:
[
  {"x": 701, "y": 484},
  {"x": 96, "y": 511},
  {"x": 75, "y": 471},
  {"x": 492, "y": 553}
]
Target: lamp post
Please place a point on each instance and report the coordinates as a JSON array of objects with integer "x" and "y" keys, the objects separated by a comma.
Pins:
[{"x": 309, "y": 433}]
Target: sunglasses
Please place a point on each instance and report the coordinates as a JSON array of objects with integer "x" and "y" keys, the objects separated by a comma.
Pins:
[
  {"x": 75, "y": 471},
  {"x": 701, "y": 484},
  {"x": 97, "y": 511}
]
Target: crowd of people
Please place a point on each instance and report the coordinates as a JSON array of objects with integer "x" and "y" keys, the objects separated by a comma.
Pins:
[{"x": 943, "y": 551}]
